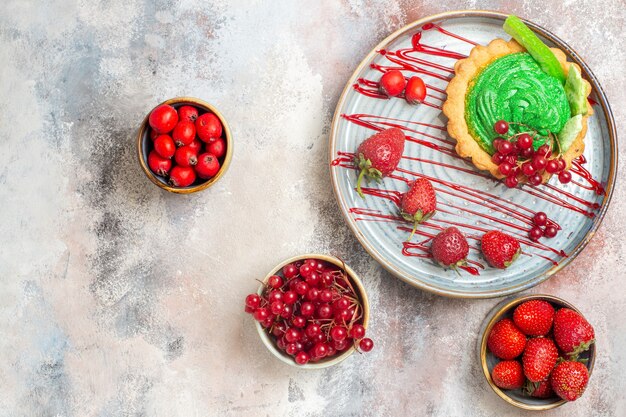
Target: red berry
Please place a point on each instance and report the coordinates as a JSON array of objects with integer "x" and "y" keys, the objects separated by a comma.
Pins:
[
  {"x": 505, "y": 168},
  {"x": 159, "y": 165},
  {"x": 572, "y": 332},
  {"x": 290, "y": 271},
  {"x": 287, "y": 312},
  {"x": 540, "y": 356},
  {"x": 275, "y": 295},
  {"x": 539, "y": 162},
  {"x": 301, "y": 288},
  {"x": 291, "y": 349},
  {"x": 357, "y": 331},
  {"x": 207, "y": 166},
  {"x": 544, "y": 150},
  {"x": 550, "y": 231},
  {"x": 217, "y": 147},
  {"x": 185, "y": 156},
  {"x": 534, "y": 317},
  {"x": 535, "y": 179},
  {"x": 508, "y": 375},
  {"x": 277, "y": 307},
  {"x": 261, "y": 314},
  {"x": 184, "y": 133},
  {"x": 292, "y": 335},
  {"x": 565, "y": 177},
  {"x": 182, "y": 176},
  {"x": 366, "y": 344},
  {"x": 528, "y": 169},
  {"x": 187, "y": 113},
  {"x": 505, "y": 340},
  {"x": 340, "y": 345},
  {"x": 552, "y": 166},
  {"x": 511, "y": 160},
  {"x": 326, "y": 296},
  {"x": 196, "y": 145},
  {"x": 302, "y": 358},
  {"x": 392, "y": 83},
  {"x": 511, "y": 181},
  {"x": 163, "y": 118},
  {"x": 497, "y": 158},
  {"x": 505, "y": 147},
  {"x": 312, "y": 295},
  {"x": 153, "y": 134},
  {"x": 324, "y": 311},
  {"x": 164, "y": 146},
  {"x": 290, "y": 297},
  {"x": 208, "y": 127},
  {"x": 524, "y": 141},
  {"x": 540, "y": 218},
  {"x": 501, "y": 127},
  {"x": 338, "y": 333},
  {"x": 313, "y": 330},
  {"x": 562, "y": 164},
  {"x": 341, "y": 304},
  {"x": 275, "y": 282},
  {"x": 253, "y": 300},
  {"x": 321, "y": 349},
  {"x": 307, "y": 309},
  {"x": 535, "y": 234},
  {"x": 527, "y": 153},
  {"x": 497, "y": 141},
  {"x": 569, "y": 380},
  {"x": 415, "y": 92},
  {"x": 313, "y": 279}
]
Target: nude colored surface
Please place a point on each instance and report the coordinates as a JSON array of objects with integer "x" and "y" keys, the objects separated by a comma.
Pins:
[{"x": 118, "y": 299}]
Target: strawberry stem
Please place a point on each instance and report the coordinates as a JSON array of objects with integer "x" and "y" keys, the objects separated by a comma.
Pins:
[{"x": 358, "y": 182}]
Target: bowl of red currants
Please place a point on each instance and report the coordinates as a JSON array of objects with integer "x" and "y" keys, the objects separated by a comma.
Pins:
[
  {"x": 311, "y": 311},
  {"x": 537, "y": 351},
  {"x": 184, "y": 145}
]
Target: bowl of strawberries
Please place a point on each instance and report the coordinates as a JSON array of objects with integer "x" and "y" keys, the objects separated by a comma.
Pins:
[
  {"x": 537, "y": 351},
  {"x": 311, "y": 311},
  {"x": 184, "y": 145}
]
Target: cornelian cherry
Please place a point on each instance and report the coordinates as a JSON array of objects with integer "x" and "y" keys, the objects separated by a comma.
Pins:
[
  {"x": 163, "y": 118},
  {"x": 392, "y": 83}
]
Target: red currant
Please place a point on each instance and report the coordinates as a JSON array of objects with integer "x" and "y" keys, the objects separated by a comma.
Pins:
[
  {"x": 552, "y": 166},
  {"x": 535, "y": 234},
  {"x": 497, "y": 158},
  {"x": 298, "y": 321},
  {"x": 505, "y": 168},
  {"x": 253, "y": 300},
  {"x": 326, "y": 296},
  {"x": 307, "y": 309},
  {"x": 562, "y": 164},
  {"x": 528, "y": 169},
  {"x": 340, "y": 345},
  {"x": 501, "y": 127},
  {"x": 565, "y": 177},
  {"x": 301, "y": 288},
  {"x": 302, "y": 358},
  {"x": 341, "y": 304},
  {"x": 338, "y": 333},
  {"x": 279, "y": 329},
  {"x": 327, "y": 278},
  {"x": 539, "y": 162},
  {"x": 312, "y": 294},
  {"x": 540, "y": 218},
  {"x": 290, "y": 271},
  {"x": 535, "y": 179},
  {"x": 275, "y": 295},
  {"x": 291, "y": 349},
  {"x": 277, "y": 307},
  {"x": 287, "y": 311},
  {"x": 505, "y": 147},
  {"x": 392, "y": 83},
  {"x": 163, "y": 118},
  {"x": 550, "y": 231},
  {"x": 511, "y": 160},
  {"x": 527, "y": 153},
  {"x": 321, "y": 349},
  {"x": 292, "y": 335},
  {"x": 524, "y": 141},
  {"x": 207, "y": 166},
  {"x": 511, "y": 181},
  {"x": 290, "y": 297},
  {"x": 324, "y": 311},
  {"x": 275, "y": 282},
  {"x": 357, "y": 331},
  {"x": 544, "y": 150},
  {"x": 305, "y": 270},
  {"x": 261, "y": 314},
  {"x": 313, "y": 279},
  {"x": 366, "y": 344}
]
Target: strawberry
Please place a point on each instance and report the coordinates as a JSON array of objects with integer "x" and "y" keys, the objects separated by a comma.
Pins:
[
  {"x": 569, "y": 380},
  {"x": 449, "y": 248},
  {"x": 379, "y": 155},
  {"x": 541, "y": 389},
  {"x": 534, "y": 317},
  {"x": 508, "y": 375},
  {"x": 539, "y": 358},
  {"x": 499, "y": 249},
  {"x": 505, "y": 340},
  {"x": 415, "y": 90},
  {"x": 392, "y": 83},
  {"x": 573, "y": 334},
  {"x": 419, "y": 203}
]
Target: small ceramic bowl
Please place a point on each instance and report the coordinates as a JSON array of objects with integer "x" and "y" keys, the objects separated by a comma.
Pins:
[
  {"x": 488, "y": 360},
  {"x": 326, "y": 362},
  {"x": 143, "y": 146}
]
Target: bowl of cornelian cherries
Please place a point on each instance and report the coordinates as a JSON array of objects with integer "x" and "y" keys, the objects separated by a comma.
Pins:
[
  {"x": 184, "y": 145},
  {"x": 311, "y": 311}
]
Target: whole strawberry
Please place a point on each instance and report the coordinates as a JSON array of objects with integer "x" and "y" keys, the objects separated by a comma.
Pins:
[
  {"x": 419, "y": 203},
  {"x": 505, "y": 340},
  {"x": 572, "y": 333},
  {"x": 541, "y": 389},
  {"x": 539, "y": 358},
  {"x": 569, "y": 380},
  {"x": 508, "y": 375},
  {"x": 534, "y": 317},
  {"x": 499, "y": 249},
  {"x": 449, "y": 248},
  {"x": 379, "y": 155}
]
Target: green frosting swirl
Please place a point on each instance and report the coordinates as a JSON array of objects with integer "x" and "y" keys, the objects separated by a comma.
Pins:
[{"x": 515, "y": 89}]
